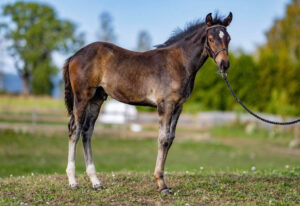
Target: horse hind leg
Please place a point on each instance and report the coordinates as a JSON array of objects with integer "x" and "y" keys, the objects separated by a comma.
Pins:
[
  {"x": 91, "y": 116},
  {"x": 75, "y": 127}
]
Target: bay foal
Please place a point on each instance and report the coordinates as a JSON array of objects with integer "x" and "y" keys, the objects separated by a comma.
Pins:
[{"x": 162, "y": 78}]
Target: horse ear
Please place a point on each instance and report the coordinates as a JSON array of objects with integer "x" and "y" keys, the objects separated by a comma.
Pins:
[
  {"x": 228, "y": 20},
  {"x": 208, "y": 20}
]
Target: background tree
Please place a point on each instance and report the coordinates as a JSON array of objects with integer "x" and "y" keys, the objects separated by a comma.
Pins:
[
  {"x": 106, "y": 32},
  {"x": 144, "y": 41},
  {"x": 35, "y": 33},
  {"x": 211, "y": 93},
  {"x": 279, "y": 63}
]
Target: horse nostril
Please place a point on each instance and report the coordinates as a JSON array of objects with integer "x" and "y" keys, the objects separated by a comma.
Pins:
[
  {"x": 227, "y": 65},
  {"x": 224, "y": 65}
]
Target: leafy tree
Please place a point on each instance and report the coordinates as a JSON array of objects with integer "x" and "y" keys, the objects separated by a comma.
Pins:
[
  {"x": 279, "y": 62},
  {"x": 144, "y": 41},
  {"x": 106, "y": 32},
  {"x": 210, "y": 91},
  {"x": 35, "y": 33}
]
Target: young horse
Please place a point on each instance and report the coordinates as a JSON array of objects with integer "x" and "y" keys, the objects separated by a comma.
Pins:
[{"x": 162, "y": 78}]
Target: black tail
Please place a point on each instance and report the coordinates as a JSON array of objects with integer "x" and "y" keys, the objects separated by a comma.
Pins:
[{"x": 69, "y": 97}]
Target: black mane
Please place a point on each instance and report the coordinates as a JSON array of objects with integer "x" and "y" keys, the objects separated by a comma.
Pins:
[{"x": 189, "y": 31}]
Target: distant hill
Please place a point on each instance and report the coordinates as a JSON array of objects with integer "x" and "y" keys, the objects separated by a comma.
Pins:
[{"x": 12, "y": 83}]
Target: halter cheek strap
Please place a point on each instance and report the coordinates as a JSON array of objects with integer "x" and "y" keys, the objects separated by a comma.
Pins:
[{"x": 214, "y": 54}]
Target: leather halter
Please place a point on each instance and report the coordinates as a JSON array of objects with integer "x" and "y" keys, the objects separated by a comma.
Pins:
[{"x": 214, "y": 54}]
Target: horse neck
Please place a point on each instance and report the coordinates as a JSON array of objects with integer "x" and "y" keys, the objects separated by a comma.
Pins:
[{"x": 195, "y": 51}]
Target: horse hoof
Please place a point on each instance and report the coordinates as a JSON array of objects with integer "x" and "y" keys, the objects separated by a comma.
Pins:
[
  {"x": 166, "y": 191},
  {"x": 73, "y": 186},
  {"x": 97, "y": 187}
]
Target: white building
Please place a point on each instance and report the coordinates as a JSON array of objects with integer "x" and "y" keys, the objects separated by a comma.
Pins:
[{"x": 115, "y": 112}]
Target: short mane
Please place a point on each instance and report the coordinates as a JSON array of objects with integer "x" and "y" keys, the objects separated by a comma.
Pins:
[{"x": 189, "y": 31}]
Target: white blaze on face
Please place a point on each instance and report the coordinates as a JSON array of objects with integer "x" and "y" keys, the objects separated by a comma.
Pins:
[{"x": 221, "y": 34}]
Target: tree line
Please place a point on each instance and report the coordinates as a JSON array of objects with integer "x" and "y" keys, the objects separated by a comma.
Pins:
[{"x": 266, "y": 80}]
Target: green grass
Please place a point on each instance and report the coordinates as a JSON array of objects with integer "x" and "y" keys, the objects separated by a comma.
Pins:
[
  {"x": 23, "y": 153},
  {"x": 45, "y": 102},
  {"x": 39, "y": 105},
  {"x": 28, "y": 121},
  {"x": 225, "y": 176},
  {"x": 138, "y": 189}
]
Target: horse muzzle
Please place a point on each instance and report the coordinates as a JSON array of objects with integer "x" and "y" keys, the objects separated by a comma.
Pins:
[{"x": 223, "y": 66}]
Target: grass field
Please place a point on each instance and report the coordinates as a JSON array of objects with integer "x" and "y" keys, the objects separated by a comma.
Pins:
[
  {"x": 229, "y": 149},
  {"x": 121, "y": 188},
  {"x": 230, "y": 167},
  {"x": 22, "y": 103}
]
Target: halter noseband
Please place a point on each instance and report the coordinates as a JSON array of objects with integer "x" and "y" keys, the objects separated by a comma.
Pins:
[{"x": 214, "y": 54}]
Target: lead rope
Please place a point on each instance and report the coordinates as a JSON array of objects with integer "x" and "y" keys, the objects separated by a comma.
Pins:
[{"x": 224, "y": 76}]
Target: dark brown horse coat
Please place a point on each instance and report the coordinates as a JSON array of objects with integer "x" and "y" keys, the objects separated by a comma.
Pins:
[
  {"x": 162, "y": 78},
  {"x": 131, "y": 77}
]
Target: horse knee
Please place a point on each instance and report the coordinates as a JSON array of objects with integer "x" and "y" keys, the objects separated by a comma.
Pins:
[
  {"x": 71, "y": 126},
  {"x": 74, "y": 137},
  {"x": 166, "y": 142}
]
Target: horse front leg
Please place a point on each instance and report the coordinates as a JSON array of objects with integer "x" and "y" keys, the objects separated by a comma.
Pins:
[
  {"x": 174, "y": 121},
  {"x": 166, "y": 112}
]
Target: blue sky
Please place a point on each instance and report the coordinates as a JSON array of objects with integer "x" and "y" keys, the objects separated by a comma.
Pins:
[{"x": 251, "y": 18}]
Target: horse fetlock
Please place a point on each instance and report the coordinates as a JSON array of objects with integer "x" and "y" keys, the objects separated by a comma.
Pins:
[
  {"x": 73, "y": 186},
  {"x": 98, "y": 186},
  {"x": 161, "y": 185},
  {"x": 71, "y": 174},
  {"x": 70, "y": 168},
  {"x": 91, "y": 173},
  {"x": 166, "y": 191},
  {"x": 72, "y": 182},
  {"x": 90, "y": 170}
]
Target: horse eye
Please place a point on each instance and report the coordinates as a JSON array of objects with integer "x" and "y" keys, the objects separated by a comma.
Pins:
[{"x": 211, "y": 40}]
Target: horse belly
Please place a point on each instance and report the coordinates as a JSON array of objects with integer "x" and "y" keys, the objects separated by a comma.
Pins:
[{"x": 135, "y": 95}]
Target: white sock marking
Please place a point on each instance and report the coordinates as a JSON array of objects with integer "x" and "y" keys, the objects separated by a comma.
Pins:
[
  {"x": 71, "y": 173},
  {"x": 91, "y": 172}
]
